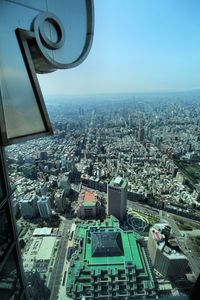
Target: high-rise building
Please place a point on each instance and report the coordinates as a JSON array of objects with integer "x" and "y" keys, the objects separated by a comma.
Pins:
[
  {"x": 141, "y": 133},
  {"x": 117, "y": 197},
  {"x": 166, "y": 260},
  {"x": 28, "y": 205},
  {"x": 43, "y": 155},
  {"x": 64, "y": 183},
  {"x": 60, "y": 201},
  {"x": 44, "y": 207}
]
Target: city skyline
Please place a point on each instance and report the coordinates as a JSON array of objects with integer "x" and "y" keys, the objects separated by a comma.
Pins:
[
  {"x": 145, "y": 46},
  {"x": 100, "y": 189},
  {"x": 142, "y": 154}
]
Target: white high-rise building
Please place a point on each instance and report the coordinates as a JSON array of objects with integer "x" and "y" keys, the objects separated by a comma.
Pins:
[
  {"x": 44, "y": 207},
  {"x": 167, "y": 261},
  {"x": 117, "y": 197}
]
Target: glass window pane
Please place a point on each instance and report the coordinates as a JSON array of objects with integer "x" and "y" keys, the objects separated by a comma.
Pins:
[
  {"x": 21, "y": 111},
  {"x": 5, "y": 231},
  {"x": 1, "y": 190},
  {"x": 10, "y": 287}
]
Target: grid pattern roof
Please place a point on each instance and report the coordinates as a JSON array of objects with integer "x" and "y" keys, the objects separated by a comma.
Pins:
[
  {"x": 107, "y": 244},
  {"x": 126, "y": 276}
]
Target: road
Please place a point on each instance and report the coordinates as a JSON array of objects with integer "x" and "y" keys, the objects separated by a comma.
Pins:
[
  {"x": 89, "y": 131},
  {"x": 142, "y": 208},
  {"x": 56, "y": 277}
]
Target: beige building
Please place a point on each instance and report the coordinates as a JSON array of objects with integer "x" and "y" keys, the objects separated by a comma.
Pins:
[{"x": 89, "y": 206}]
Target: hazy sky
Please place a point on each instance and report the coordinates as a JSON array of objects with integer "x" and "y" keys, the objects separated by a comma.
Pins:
[{"x": 139, "y": 45}]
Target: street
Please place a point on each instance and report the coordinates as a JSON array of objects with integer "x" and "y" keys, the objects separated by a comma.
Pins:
[{"x": 56, "y": 277}]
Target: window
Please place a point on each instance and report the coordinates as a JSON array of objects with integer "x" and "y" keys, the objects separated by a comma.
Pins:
[
  {"x": 10, "y": 285},
  {"x": 6, "y": 236}
]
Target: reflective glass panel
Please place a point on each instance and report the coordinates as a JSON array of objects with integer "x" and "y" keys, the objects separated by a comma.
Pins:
[
  {"x": 21, "y": 112},
  {"x": 5, "y": 231},
  {"x": 1, "y": 190},
  {"x": 10, "y": 287},
  {"x": 48, "y": 35}
]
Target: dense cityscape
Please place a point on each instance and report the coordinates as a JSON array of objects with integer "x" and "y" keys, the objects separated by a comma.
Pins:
[
  {"x": 109, "y": 206},
  {"x": 99, "y": 150}
]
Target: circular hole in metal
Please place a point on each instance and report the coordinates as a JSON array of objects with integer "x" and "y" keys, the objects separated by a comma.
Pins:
[{"x": 51, "y": 33}]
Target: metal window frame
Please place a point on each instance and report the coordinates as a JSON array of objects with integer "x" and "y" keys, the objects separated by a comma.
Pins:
[{"x": 24, "y": 37}]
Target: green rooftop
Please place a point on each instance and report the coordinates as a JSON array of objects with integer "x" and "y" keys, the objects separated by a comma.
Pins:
[
  {"x": 118, "y": 182},
  {"x": 88, "y": 203},
  {"x": 109, "y": 263}
]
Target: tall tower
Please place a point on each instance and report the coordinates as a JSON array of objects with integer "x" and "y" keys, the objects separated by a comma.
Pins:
[
  {"x": 44, "y": 207},
  {"x": 117, "y": 197}
]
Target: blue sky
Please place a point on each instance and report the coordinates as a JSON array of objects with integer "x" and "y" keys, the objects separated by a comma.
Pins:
[{"x": 138, "y": 46}]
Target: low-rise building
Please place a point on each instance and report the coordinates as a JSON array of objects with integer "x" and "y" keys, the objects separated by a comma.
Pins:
[{"x": 89, "y": 206}]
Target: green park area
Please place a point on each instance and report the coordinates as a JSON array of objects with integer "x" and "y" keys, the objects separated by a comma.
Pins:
[{"x": 190, "y": 169}]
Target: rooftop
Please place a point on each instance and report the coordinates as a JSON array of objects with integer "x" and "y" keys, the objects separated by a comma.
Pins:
[
  {"x": 107, "y": 256},
  {"x": 42, "y": 231},
  {"x": 87, "y": 198},
  {"x": 107, "y": 244},
  {"x": 118, "y": 182},
  {"x": 46, "y": 248}
]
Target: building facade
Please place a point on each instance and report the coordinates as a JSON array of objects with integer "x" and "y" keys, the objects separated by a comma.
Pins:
[
  {"x": 60, "y": 201},
  {"x": 166, "y": 260},
  {"x": 89, "y": 206},
  {"x": 117, "y": 197},
  {"x": 28, "y": 206},
  {"x": 44, "y": 207}
]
